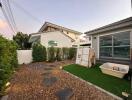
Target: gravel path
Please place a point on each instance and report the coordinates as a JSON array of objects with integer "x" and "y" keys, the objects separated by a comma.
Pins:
[{"x": 28, "y": 83}]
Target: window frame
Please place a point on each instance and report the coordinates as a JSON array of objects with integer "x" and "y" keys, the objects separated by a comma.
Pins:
[{"x": 113, "y": 46}]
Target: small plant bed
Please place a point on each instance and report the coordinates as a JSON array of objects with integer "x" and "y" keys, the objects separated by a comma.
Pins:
[{"x": 95, "y": 76}]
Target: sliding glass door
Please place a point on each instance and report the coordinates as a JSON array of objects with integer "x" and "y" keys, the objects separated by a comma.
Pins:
[{"x": 115, "y": 46}]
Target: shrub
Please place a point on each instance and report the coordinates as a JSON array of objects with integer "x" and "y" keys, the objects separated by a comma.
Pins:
[
  {"x": 51, "y": 54},
  {"x": 72, "y": 53},
  {"x": 39, "y": 53},
  {"x": 58, "y": 54},
  {"x": 8, "y": 60},
  {"x": 65, "y": 53}
]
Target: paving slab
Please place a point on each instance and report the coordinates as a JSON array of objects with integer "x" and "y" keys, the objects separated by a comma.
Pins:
[
  {"x": 64, "y": 94},
  {"x": 46, "y": 73},
  {"x": 48, "y": 81},
  {"x": 48, "y": 68}
]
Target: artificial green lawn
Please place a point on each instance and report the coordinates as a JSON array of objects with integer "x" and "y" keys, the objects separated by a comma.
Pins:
[{"x": 95, "y": 76}]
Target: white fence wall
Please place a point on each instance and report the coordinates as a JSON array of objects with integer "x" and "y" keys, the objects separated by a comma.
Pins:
[
  {"x": 82, "y": 56},
  {"x": 24, "y": 56}
]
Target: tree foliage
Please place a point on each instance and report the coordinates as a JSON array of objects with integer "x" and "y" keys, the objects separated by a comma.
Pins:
[
  {"x": 72, "y": 53},
  {"x": 8, "y": 60},
  {"x": 65, "y": 53},
  {"x": 58, "y": 54},
  {"x": 51, "y": 54},
  {"x": 22, "y": 40}
]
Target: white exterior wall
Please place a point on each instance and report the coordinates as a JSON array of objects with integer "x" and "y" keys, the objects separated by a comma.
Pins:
[
  {"x": 72, "y": 35},
  {"x": 24, "y": 56},
  {"x": 60, "y": 38}
]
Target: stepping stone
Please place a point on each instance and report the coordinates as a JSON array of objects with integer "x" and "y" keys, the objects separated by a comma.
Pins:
[
  {"x": 48, "y": 81},
  {"x": 47, "y": 68},
  {"x": 51, "y": 65},
  {"x": 46, "y": 73},
  {"x": 64, "y": 94}
]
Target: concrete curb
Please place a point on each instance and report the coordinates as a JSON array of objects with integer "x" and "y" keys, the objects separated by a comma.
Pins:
[{"x": 111, "y": 94}]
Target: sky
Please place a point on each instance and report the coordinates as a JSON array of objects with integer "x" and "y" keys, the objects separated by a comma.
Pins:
[{"x": 80, "y": 15}]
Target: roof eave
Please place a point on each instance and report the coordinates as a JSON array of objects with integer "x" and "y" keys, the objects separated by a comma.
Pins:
[
  {"x": 54, "y": 25},
  {"x": 117, "y": 25}
]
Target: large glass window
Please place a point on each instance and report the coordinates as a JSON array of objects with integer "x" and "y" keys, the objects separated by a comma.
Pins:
[
  {"x": 106, "y": 40},
  {"x": 122, "y": 52},
  {"x": 121, "y": 39},
  {"x": 106, "y": 46},
  {"x": 106, "y": 51},
  {"x": 115, "y": 46}
]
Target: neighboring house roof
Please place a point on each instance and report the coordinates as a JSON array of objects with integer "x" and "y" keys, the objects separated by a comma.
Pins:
[
  {"x": 120, "y": 24},
  {"x": 46, "y": 24}
]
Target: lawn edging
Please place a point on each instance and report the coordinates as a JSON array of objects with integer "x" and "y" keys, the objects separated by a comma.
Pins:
[{"x": 109, "y": 93}]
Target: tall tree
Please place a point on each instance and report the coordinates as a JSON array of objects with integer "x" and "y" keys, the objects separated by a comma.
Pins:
[{"x": 22, "y": 40}]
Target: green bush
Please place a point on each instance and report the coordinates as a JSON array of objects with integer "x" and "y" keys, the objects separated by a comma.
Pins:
[
  {"x": 39, "y": 52},
  {"x": 8, "y": 60},
  {"x": 51, "y": 54},
  {"x": 58, "y": 54},
  {"x": 72, "y": 53},
  {"x": 65, "y": 53}
]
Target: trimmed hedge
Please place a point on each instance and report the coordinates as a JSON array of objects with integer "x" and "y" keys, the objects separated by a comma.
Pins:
[
  {"x": 72, "y": 53},
  {"x": 58, "y": 54},
  {"x": 8, "y": 60},
  {"x": 39, "y": 52},
  {"x": 65, "y": 53},
  {"x": 51, "y": 54}
]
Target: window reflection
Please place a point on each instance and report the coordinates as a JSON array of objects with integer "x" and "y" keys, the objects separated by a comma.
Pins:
[{"x": 115, "y": 45}]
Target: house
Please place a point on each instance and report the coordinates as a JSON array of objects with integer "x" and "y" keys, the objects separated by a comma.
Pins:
[
  {"x": 113, "y": 42},
  {"x": 54, "y": 35}
]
